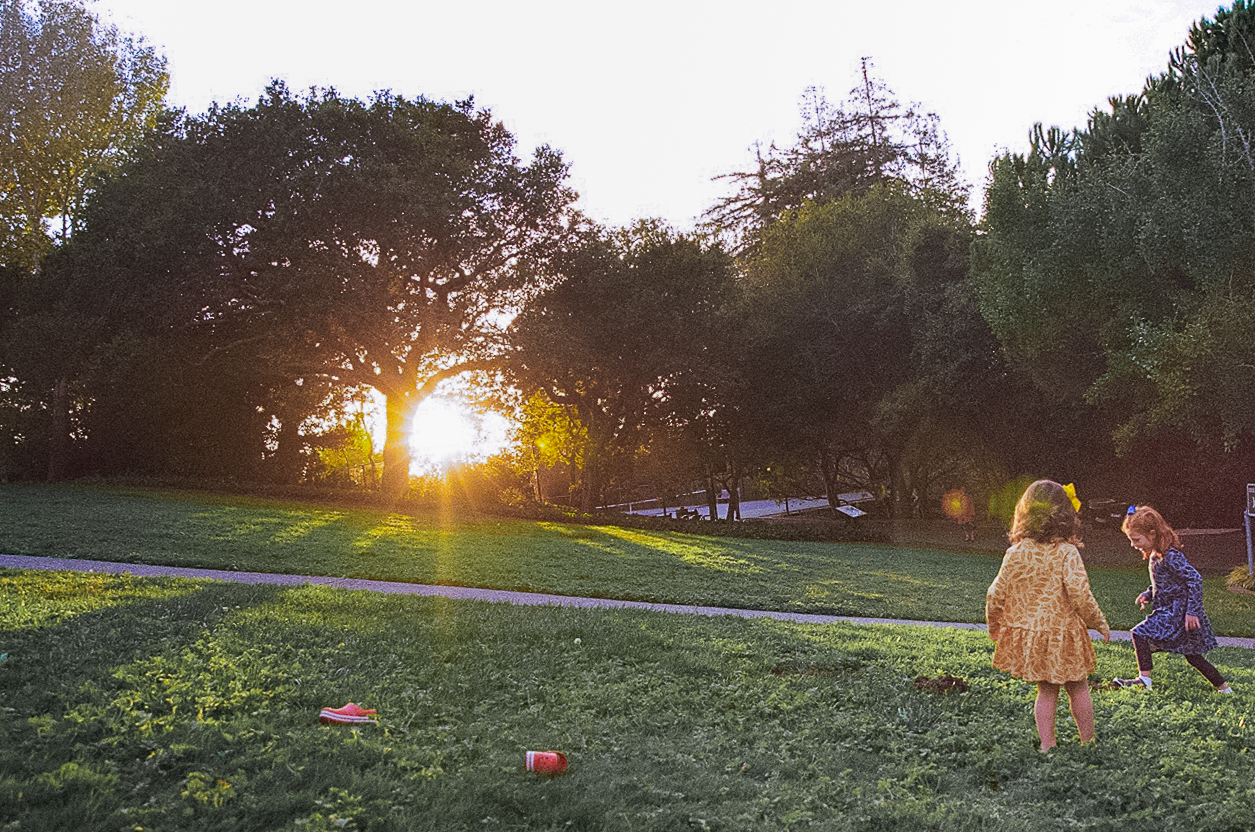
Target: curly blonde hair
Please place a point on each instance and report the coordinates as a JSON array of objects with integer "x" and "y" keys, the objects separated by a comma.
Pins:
[{"x": 1045, "y": 513}]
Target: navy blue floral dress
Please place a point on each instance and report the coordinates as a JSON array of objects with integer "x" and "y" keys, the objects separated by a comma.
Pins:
[{"x": 1176, "y": 590}]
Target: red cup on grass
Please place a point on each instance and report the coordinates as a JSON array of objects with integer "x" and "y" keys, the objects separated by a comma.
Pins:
[{"x": 551, "y": 763}]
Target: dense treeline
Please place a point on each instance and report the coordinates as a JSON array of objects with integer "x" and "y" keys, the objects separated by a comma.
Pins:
[
  {"x": 1116, "y": 269},
  {"x": 214, "y": 294}
]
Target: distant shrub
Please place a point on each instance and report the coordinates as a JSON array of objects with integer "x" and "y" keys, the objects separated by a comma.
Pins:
[{"x": 1240, "y": 578}]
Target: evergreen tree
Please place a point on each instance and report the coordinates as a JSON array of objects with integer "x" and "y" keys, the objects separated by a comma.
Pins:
[
  {"x": 1114, "y": 263},
  {"x": 847, "y": 148}
]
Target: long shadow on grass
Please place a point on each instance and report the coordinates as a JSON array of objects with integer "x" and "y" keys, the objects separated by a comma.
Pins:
[
  {"x": 818, "y": 578},
  {"x": 82, "y": 697},
  {"x": 85, "y": 649}
]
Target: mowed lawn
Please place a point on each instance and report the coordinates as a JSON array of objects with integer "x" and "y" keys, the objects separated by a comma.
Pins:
[
  {"x": 162, "y": 704},
  {"x": 132, "y": 703},
  {"x": 200, "y": 530}
]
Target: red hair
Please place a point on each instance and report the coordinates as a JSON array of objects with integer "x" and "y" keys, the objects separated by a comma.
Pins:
[{"x": 1149, "y": 523}]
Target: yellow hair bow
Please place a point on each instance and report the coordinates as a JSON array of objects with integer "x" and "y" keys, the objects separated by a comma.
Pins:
[{"x": 1070, "y": 490}]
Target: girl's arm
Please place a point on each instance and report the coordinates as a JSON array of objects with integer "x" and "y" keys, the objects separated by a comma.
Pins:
[
  {"x": 993, "y": 606},
  {"x": 1076, "y": 584}
]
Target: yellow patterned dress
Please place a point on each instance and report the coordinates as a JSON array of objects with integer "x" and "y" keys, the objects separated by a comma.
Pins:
[{"x": 1038, "y": 610}]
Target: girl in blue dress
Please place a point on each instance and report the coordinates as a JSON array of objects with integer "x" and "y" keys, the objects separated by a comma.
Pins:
[{"x": 1177, "y": 623}]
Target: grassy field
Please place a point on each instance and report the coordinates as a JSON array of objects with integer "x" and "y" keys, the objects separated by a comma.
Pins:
[
  {"x": 600, "y": 561},
  {"x": 161, "y": 704}
]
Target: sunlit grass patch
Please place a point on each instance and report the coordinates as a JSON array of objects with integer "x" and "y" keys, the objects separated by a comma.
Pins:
[
  {"x": 35, "y": 599},
  {"x": 845, "y": 597},
  {"x": 231, "y": 522},
  {"x": 885, "y": 594},
  {"x": 573, "y": 532},
  {"x": 704, "y": 553},
  {"x": 388, "y": 529},
  {"x": 918, "y": 582},
  {"x": 301, "y": 529}
]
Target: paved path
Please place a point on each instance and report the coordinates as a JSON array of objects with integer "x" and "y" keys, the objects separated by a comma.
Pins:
[{"x": 491, "y": 595}]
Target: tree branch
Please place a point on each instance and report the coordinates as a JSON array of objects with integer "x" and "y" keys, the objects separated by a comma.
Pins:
[
  {"x": 205, "y": 359},
  {"x": 429, "y": 386}
]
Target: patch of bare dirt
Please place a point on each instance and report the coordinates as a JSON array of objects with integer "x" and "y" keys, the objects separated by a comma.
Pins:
[{"x": 942, "y": 684}]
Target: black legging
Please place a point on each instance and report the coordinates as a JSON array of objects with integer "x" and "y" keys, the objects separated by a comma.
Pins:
[{"x": 1196, "y": 660}]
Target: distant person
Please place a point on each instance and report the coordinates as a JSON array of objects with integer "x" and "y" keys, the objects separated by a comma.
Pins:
[
  {"x": 1040, "y": 606},
  {"x": 1177, "y": 623},
  {"x": 957, "y": 504}
]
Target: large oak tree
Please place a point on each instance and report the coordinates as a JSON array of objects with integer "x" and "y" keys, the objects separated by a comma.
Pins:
[{"x": 374, "y": 244}]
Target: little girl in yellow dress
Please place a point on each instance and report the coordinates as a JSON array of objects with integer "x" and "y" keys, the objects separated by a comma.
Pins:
[{"x": 1040, "y": 607}]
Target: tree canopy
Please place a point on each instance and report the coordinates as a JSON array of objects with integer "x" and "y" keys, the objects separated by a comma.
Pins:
[
  {"x": 75, "y": 95},
  {"x": 847, "y": 148},
  {"x": 234, "y": 279},
  {"x": 863, "y": 342},
  {"x": 1114, "y": 262},
  {"x": 619, "y": 340},
  {"x": 373, "y": 244},
  {"x": 1109, "y": 251}
]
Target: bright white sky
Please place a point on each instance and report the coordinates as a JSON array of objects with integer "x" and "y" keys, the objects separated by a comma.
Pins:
[{"x": 649, "y": 100}]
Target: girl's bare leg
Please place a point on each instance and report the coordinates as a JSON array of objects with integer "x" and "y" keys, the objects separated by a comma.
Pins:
[
  {"x": 1044, "y": 713},
  {"x": 1082, "y": 708}
]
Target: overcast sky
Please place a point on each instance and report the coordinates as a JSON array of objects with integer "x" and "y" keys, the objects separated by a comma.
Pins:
[{"x": 649, "y": 100}]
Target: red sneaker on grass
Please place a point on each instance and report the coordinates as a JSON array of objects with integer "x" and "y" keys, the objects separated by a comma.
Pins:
[{"x": 350, "y": 714}]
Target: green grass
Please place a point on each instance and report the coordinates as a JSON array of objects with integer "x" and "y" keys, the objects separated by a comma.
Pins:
[
  {"x": 160, "y": 704},
  {"x": 160, "y": 527},
  {"x": 133, "y": 703}
]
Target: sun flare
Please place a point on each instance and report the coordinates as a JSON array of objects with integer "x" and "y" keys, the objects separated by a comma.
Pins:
[{"x": 447, "y": 432}]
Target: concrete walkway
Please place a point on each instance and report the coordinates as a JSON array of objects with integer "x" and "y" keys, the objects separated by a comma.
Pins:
[{"x": 490, "y": 595}]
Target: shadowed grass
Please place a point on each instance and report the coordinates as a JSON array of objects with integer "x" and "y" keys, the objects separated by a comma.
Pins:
[{"x": 182, "y": 705}]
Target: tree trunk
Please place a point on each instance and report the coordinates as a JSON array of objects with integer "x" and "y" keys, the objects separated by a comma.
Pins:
[
  {"x": 734, "y": 493},
  {"x": 596, "y": 456},
  {"x": 539, "y": 491},
  {"x": 59, "y": 431},
  {"x": 897, "y": 485},
  {"x": 712, "y": 494},
  {"x": 286, "y": 464},
  {"x": 828, "y": 470},
  {"x": 590, "y": 483},
  {"x": 396, "y": 448}
]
